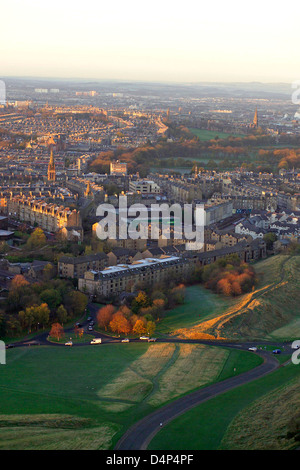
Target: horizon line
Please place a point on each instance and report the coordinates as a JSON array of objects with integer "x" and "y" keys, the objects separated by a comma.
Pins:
[{"x": 30, "y": 77}]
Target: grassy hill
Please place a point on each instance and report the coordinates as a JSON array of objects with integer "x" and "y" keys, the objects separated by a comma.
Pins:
[
  {"x": 269, "y": 417},
  {"x": 270, "y": 312}
]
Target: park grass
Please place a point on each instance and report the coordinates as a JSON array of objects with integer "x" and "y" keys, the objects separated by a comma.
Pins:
[
  {"x": 204, "y": 426},
  {"x": 163, "y": 373},
  {"x": 53, "y": 432},
  {"x": 269, "y": 312},
  {"x": 92, "y": 395},
  {"x": 195, "y": 366},
  {"x": 135, "y": 382}
]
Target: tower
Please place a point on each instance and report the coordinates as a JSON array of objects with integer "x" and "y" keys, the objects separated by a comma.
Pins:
[
  {"x": 255, "y": 119},
  {"x": 51, "y": 167},
  {"x": 88, "y": 192}
]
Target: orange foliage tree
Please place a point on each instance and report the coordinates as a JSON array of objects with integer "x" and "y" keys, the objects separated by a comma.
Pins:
[
  {"x": 57, "y": 331},
  {"x": 140, "y": 327},
  {"x": 104, "y": 316},
  {"x": 120, "y": 324}
]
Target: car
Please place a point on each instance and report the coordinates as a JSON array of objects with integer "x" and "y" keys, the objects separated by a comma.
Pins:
[
  {"x": 253, "y": 348},
  {"x": 144, "y": 337},
  {"x": 8, "y": 346},
  {"x": 96, "y": 341},
  {"x": 89, "y": 318},
  {"x": 125, "y": 340},
  {"x": 92, "y": 323},
  {"x": 277, "y": 351},
  {"x": 69, "y": 343},
  {"x": 79, "y": 325},
  {"x": 90, "y": 328},
  {"x": 151, "y": 340}
]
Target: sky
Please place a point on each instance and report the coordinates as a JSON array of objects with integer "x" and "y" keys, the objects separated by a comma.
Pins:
[{"x": 159, "y": 40}]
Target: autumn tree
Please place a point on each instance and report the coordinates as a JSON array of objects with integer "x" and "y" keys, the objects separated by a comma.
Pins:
[
  {"x": 104, "y": 316},
  {"x": 224, "y": 287},
  {"x": 119, "y": 324},
  {"x": 18, "y": 281},
  {"x": 57, "y": 331},
  {"x": 140, "y": 328},
  {"x": 80, "y": 332}
]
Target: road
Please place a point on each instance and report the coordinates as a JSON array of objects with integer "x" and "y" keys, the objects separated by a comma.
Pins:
[{"x": 140, "y": 434}]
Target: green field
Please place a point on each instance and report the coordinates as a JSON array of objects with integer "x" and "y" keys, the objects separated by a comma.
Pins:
[
  {"x": 86, "y": 397},
  {"x": 253, "y": 416},
  {"x": 204, "y": 134}
]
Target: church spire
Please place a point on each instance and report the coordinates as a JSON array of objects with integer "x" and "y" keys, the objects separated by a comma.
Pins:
[
  {"x": 51, "y": 167},
  {"x": 255, "y": 120}
]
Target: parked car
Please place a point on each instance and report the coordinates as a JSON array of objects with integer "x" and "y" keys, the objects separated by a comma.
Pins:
[
  {"x": 79, "y": 325},
  {"x": 96, "y": 341},
  {"x": 151, "y": 340},
  {"x": 253, "y": 348},
  {"x": 125, "y": 340},
  {"x": 144, "y": 337},
  {"x": 277, "y": 351},
  {"x": 90, "y": 328},
  {"x": 89, "y": 318},
  {"x": 69, "y": 343}
]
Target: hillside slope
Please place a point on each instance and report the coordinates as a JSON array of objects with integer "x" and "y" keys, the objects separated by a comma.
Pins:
[{"x": 271, "y": 311}]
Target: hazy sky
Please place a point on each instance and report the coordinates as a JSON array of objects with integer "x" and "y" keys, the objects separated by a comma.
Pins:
[{"x": 158, "y": 40}]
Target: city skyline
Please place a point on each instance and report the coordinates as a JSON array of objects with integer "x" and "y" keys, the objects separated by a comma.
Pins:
[{"x": 197, "y": 43}]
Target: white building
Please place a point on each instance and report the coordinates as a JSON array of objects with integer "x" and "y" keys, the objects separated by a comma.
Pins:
[{"x": 144, "y": 187}]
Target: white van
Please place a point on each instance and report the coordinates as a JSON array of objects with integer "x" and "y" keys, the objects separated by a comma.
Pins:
[{"x": 96, "y": 341}]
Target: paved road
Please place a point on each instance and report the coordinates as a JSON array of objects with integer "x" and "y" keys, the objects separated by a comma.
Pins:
[
  {"x": 140, "y": 434},
  {"x": 41, "y": 339}
]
